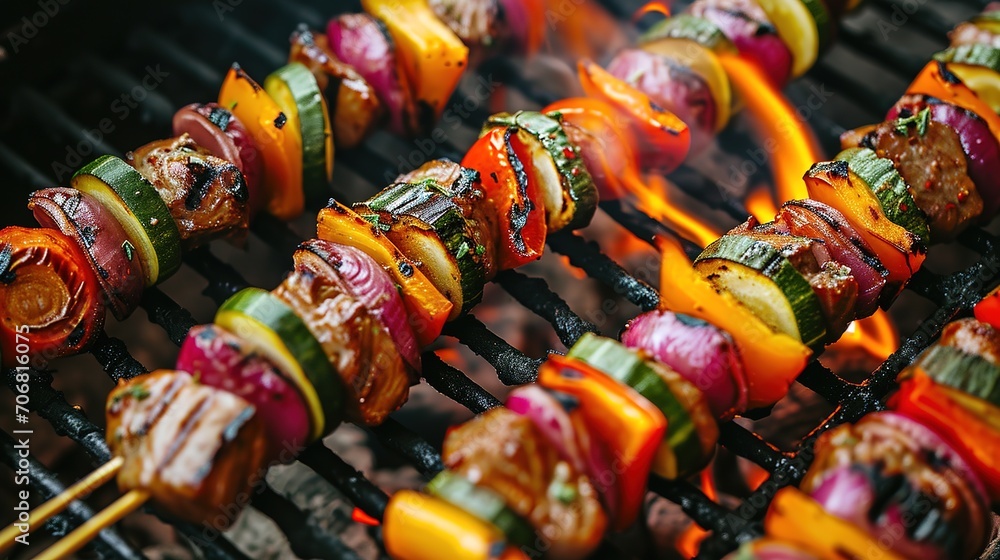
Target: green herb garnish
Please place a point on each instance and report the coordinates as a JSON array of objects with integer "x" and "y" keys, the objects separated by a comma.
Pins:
[
  {"x": 374, "y": 220},
  {"x": 921, "y": 119}
]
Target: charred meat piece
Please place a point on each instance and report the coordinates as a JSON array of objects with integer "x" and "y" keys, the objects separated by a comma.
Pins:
[
  {"x": 901, "y": 482},
  {"x": 196, "y": 449},
  {"x": 206, "y": 195},
  {"x": 476, "y": 22},
  {"x": 931, "y": 160},
  {"x": 506, "y": 453},
  {"x": 358, "y": 347},
  {"x": 973, "y": 337},
  {"x": 355, "y": 106}
]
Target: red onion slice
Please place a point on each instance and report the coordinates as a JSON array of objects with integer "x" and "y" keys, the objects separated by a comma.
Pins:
[
  {"x": 365, "y": 280},
  {"x": 217, "y": 358},
  {"x": 362, "y": 42},
  {"x": 701, "y": 352},
  {"x": 219, "y": 131},
  {"x": 101, "y": 237},
  {"x": 757, "y": 41}
]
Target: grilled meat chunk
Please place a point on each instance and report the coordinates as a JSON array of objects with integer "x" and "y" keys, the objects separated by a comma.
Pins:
[
  {"x": 358, "y": 347},
  {"x": 973, "y": 337},
  {"x": 476, "y": 22},
  {"x": 354, "y": 106},
  {"x": 206, "y": 195},
  {"x": 968, "y": 33},
  {"x": 194, "y": 448},
  {"x": 931, "y": 160},
  {"x": 505, "y": 452},
  {"x": 907, "y": 486}
]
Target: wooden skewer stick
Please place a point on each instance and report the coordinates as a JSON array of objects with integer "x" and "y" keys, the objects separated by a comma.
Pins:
[
  {"x": 86, "y": 532},
  {"x": 57, "y": 504}
]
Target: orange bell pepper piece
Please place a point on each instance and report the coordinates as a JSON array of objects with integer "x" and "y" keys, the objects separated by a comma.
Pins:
[
  {"x": 426, "y": 308},
  {"x": 936, "y": 81},
  {"x": 969, "y": 424},
  {"x": 421, "y": 527},
  {"x": 622, "y": 418},
  {"x": 796, "y": 518},
  {"x": 771, "y": 360},
  {"x": 265, "y": 121},
  {"x": 663, "y": 139}
]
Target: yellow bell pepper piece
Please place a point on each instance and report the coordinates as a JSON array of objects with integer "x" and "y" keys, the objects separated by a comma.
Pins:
[
  {"x": 771, "y": 360},
  {"x": 798, "y": 519},
  {"x": 432, "y": 56},
  {"x": 421, "y": 527}
]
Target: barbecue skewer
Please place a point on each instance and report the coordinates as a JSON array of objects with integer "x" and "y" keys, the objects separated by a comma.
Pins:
[
  {"x": 64, "y": 547},
  {"x": 57, "y": 504}
]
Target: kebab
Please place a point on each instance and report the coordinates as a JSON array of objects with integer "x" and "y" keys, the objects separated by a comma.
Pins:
[
  {"x": 915, "y": 482},
  {"x": 280, "y": 138},
  {"x": 515, "y": 120}
]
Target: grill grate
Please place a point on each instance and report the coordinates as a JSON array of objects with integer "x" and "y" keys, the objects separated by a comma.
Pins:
[{"x": 951, "y": 294}]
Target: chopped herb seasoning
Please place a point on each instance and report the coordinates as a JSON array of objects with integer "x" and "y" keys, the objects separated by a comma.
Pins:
[
  {"x": 373, "y": 219},
  {"x": 921, "y": 119}
]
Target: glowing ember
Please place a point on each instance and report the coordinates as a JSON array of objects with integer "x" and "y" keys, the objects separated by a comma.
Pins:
[
  {"x": 576, "y": 272},
  {"x": 361, "y": 517},
  {"x": 654, "y": 199},
  {"x": 779, "y": 128},
  {"x": 874, "y": 335},
  {"x": 651, "y": 8},
  {"x": 760, "y": 203},
  {"x": 690, "y": 540}
]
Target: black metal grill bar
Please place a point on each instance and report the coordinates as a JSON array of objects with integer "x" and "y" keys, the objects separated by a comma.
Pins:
[
  {"x": 534, "y": 293},
  {"x": 306, "y": 539},
  {"x": 587, "y": 256},
  {"x": 410, "y": 446},
  {"x": 108, "y": 543},
  {"x": 455, "y": 385},
  {"x": 513, "y": 367}
]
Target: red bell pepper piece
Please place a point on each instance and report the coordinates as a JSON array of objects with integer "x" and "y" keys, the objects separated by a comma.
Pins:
[
  {"x": 513, "y": 193},
  {"x": 620, "y": 417},
  {"x": 970, "y": 425},
  {"x": 988, "y": 309}
]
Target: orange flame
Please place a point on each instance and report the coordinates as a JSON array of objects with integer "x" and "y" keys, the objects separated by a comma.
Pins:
[
  {"x": 576, "y": 272},
  {"x": 651, "y": 8},
  {"x": 360, "y": 516},
  {"x": 779, "y": 128},
  {"x": 654, "y": 200},
  {"x": 690, "y": 539},
  {"x": 760, "y": 203},
  {"x": 874, "y": 334}
]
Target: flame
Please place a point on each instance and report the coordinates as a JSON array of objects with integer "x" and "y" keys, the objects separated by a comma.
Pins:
[
  {"x": 689, "y": 541},
  {"x": 761, "y": 204},
  {"x": 756, "y": 476},
  {"x": 651, "y": 8},
  {"x": 874, "y": 334},
  {"x": 654, "y": 199},
  {"x": 360, "y": 516},
  {"x": 779, "y": 128},
  {"x": 576, "y": 272}
]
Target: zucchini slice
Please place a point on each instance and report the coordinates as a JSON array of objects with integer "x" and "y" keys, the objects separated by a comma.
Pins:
[
  {"x": 293, "y": 87},
  {"x": 570, "y": 192},
  {"x": 961, "y": 370},
  {"x": 423, "y": 220},
  {"x": 137, "y": 206},
  {"x": 681, "y": 452},
  {"x": 766, "y": 282},
  {"x": 272, "y": 328},
  {"x": 687, "y": 26},
  {"x": 881, "y": 177},
  {"x": 484, "y": 504}
]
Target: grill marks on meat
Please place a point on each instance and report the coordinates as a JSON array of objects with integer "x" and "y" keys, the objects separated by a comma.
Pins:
[
  {"x": 194, "y": 448},
  {"x": 934, "y": 166},
  {"x": 206, "y": 195},
  {"x": 504, "y": 452},
  {"x": 358, "y": 347}
]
